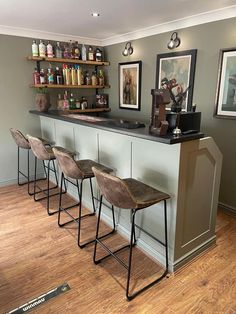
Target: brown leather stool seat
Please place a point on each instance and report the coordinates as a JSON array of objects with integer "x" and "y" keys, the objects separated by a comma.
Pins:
[
  {"x": 134, "y": 195},
  {"x": 77, "y": 170},
  {"x": 23, "y": 143},
  {"x": 41, "y": 152}
]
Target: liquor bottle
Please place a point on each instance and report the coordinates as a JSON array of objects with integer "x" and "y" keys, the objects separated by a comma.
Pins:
[
  {"x": 78, "y": 71},
  {"x": 84, "y": 103},
  {"x": 76, "y": 50},
  {"x": 60, "y": 102},
  {"x": 66, "y": 102},
  {"x": 50, "y": 77},
  {"x": 35, "y": 49},
  {"x": 87, "y": 79},
  {"x": 90, "y": 53},
  {"x": 84, "y": 53},
  {"x": 73, "y": 76},
  {"x": 42, "y": 49},
  {"x": 49, "y": 50},
  {"x": 58, "y": 50},
  {"x": 42, "y": 77},
  {"x": 101, "y": 80},
  {"x": 72, "y": 102},
  {"x": 77, "y": 104},
  {"x": 94, "y": 79},
  {"x": 36, "y": 77},
  {"x": 71, "y": 49},
  {"x": 98, "y": 55},
  {"x": 66, "y": 52},
  {"x": 58, "y": 76}
]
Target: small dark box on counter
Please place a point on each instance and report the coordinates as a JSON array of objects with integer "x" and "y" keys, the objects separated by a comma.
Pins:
[{"x": 187, "y": 120}]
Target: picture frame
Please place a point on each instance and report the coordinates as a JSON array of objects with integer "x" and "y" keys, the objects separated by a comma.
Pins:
[
  {"x": 181, "y": 67},
  {"x": 130, "y": 85},
  {"x": 225, "y": 102}
]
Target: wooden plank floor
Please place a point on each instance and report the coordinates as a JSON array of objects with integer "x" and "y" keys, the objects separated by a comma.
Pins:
[{"x": 36, "y": 255}]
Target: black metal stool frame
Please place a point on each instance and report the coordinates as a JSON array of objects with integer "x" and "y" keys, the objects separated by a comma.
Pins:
[
  {"x": 48, "y": 189},
  {"x": 131, "y": 245},
  {"x": 80, "y": 217},
  {"x": 23, "y": 174}
]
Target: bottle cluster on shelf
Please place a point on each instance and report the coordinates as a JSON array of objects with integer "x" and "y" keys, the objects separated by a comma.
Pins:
[
  {"x": 69, "y": 50},
  {"x": 68, "y": 75},
  {"x": 72, "y": 102}
]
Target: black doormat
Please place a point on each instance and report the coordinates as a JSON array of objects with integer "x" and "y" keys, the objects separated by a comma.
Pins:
[{"x": 40, "y": 300}]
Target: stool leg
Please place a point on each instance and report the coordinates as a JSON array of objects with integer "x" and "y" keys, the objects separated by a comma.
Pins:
[
  {"x": 166, "y": 237},
  {"x": 97, "y": 231},
  {"x": 132, "y": 235},
  {"x": 91, "y": 188},
  {"x": 60, "y": 199},
  {"x": 80, "y": 193},
  {"x": 132, "y": 296},
  {"x": 18, "y": 165},
  {"x": 48, "y": 183},
  {"x": 35, "y": 170}
]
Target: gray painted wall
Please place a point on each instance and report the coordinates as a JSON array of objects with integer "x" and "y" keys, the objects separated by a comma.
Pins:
[
  {"x": 208, "y": 39},
  {"x": 15, "y": 101}
]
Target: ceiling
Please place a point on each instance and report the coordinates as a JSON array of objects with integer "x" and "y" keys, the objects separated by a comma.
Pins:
[{"x": 118, "y": 19}]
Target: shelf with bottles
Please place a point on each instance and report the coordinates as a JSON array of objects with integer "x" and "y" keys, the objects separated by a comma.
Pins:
[
  {"x": 69, "y": 86},
  {"x": 69, "y": 61}
]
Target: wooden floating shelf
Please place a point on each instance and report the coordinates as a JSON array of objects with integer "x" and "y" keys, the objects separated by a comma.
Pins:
[
  {"x": 74, "y": 61},
  {"x": 68, "y": 86},
  {"x": 87, "y": 110}
]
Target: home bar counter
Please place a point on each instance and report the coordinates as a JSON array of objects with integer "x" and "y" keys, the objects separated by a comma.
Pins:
[{"x": 186, "y": 167}]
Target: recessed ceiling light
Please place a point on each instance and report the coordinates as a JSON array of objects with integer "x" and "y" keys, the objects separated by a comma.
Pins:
[{"x": 95, "y": 14}]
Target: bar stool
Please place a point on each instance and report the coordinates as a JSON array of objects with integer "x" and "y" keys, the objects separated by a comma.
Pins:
[
  {"x": 135, "y": 195},
  {"x": 23, "y": 143},
  {"x": 78, "y": 170},
  {"x": 44, "y": 153}
]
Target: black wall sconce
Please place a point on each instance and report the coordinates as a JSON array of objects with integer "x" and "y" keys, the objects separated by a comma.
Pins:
[
  {"x": 128, "y": 49},
  {"x": 174, "y": 41}
]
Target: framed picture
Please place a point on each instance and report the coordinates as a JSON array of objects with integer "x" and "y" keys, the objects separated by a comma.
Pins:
[
  {"x": 179, "y": 66},
  {"x": 130, "y": 85},
  {"x": 225, "y": 104}
]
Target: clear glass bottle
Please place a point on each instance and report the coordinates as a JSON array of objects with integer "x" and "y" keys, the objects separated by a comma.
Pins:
[
  {"x": 42, "y": 49},
  {"x": 94, "y": 79},
  {"x": 50, "y": 77},
  {"x": 42, "y": 77},
  {"x": 66, "y": 102},
  {"x": 84, "y": 53},
  {"x": 36, "y": 77},
  {"x": 87, "y": 79},
  {"x": 90, "y": 53},
  {"x": 98, "y": 55},
  {"x": 66, "y": 52},
  {"x": 35, "y": 49},
  {"x": 49, "y": 50},
  {"x": 58, "y": 76},
  {"x": 58, "y": 50},
  {"x": 101, "y": 79},
  {"x": 76, "y": 50}
]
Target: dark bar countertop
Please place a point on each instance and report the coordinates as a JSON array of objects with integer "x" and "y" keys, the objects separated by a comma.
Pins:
[{"x": 111, "y": 125}]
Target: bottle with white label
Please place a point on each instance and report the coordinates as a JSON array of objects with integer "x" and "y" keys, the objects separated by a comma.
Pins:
[
  {"x": 49, "y": 50},
  {"x": 84, "y": 53},
  {"x": 35, "y": 49},
  {"x": 42, "y": 49}
]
